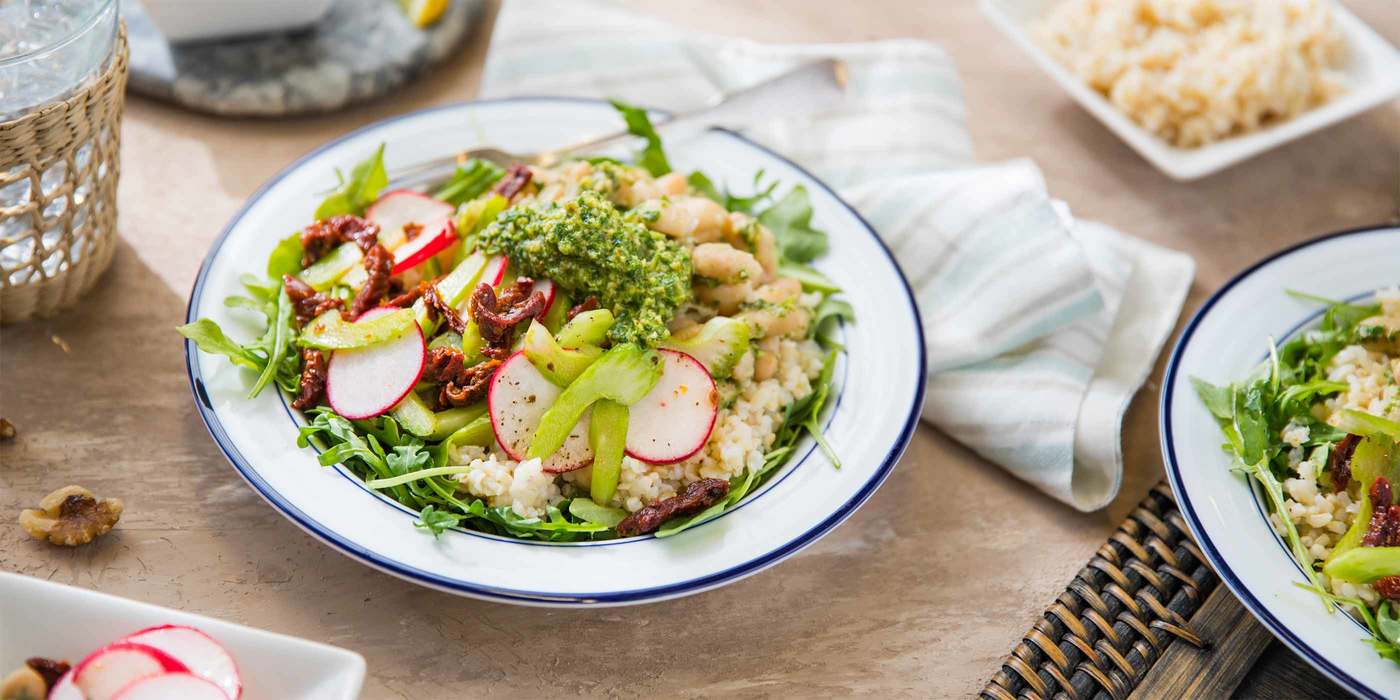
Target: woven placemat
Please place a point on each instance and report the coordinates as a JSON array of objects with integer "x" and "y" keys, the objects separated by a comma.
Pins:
[{"x": 1134, "y": 599}]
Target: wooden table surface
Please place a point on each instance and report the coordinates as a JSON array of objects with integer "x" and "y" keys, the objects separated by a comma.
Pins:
[{"x": 921, "y": 593}]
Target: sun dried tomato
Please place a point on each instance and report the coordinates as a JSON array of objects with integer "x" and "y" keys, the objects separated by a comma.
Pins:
[
  {"x": 379, "y": 265},
  {"x": 308, "y": 302},
  {"x": 696, "y": 497},
  {"x": 439, "y": 307},
  {"x": 588, "y": 304},
  {"x": 320, "y": 237},
  {"x": 1388, "y": 587},
  {"x": 498, "y": 316},
  {"x": 514, "y": 181},
  {"x": 1339, "y": 464},
  {"x": 48, "y": 669},
  {"x": 461, "y": 385},
  {"x": 313, "y": 379}
]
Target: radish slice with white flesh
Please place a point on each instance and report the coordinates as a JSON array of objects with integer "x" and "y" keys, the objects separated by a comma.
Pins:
[
  {"x": 172, "y": 686},
  {"x": 674, "y": 420},
  {"x": 547, "y": 288},
  {"x": 435, "y": 237},
  {"x": 366, "y": 382},
  {"x": 113, "y": 667},
  {"x": 203, "y": 656},
  {"x": 65, "y": 689},
  {"x": 398, "y": 208},
  {"x": 495, "y": 270},
  {"x": 518, "y": 396}
]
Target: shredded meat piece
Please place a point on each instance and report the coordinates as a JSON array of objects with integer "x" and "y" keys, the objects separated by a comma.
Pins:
[
  {"x": 588, "y": 304},
  {"x": 313, "y": 379},
  {"x": 379, "y": 265},
  {"x": 320, "y": 237},
  {"x": 308, "y": 302},
  {"x": 514, "y": 181},
  {"x": 406, "y": 299},
  {"x": 497, "y": 317},
  {"x": 439, "y": 306},
  {"x": 696, "y": 497},
  {"x": 461, "y": 385},
  {"x": 48, "y": 669}
]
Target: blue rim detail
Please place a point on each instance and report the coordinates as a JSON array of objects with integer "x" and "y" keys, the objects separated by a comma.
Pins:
[
  {"x": 377, "y": 561},
  {"x": 1188, "y": 511}
]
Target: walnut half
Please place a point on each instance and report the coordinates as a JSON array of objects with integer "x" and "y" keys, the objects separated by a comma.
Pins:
[
  {"x": 24, "y": 684},
  {"x": 71, "y": 516}
]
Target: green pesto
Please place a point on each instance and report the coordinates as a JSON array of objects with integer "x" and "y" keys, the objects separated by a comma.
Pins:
[{"x": 588, "y": 247}]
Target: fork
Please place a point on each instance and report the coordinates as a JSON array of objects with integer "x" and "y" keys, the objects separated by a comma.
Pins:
[{"x": 808, "y": 88}]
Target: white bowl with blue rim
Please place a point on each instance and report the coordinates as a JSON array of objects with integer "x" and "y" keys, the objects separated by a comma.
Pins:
[
  {"x": 1227, "y": 338},
  {"x": 879, "y": 386}
]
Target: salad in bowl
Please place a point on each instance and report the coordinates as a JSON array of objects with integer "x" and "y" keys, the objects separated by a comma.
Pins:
[
  {"x": 592, "y": 350},
  {"x": 1317, "y": 429}
]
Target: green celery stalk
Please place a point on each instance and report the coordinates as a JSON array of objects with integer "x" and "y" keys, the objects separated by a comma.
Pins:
[
  {"x": 415, "y": 416},
  {"x": 607, "y": 435},
  {"x": 559, "y": 365},
  {"x": 623, "y": 374},
  {"x": 324, "y": 273},
  {"x": 1364, "y": 564},
  {"x": 1368, "y": 425},
  {"x": 455, "y": 419},
  {"x": 587, "y": 328},
  {"x": 330, "y": 332}
]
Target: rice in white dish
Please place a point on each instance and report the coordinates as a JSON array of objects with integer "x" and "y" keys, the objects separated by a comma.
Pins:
[{"x": 1197, "y": 71}]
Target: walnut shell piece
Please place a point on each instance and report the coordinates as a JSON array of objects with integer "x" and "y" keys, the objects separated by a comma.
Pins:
[
  {"x": 71, "y": 516},
  {"x": 23, "y": 684}
]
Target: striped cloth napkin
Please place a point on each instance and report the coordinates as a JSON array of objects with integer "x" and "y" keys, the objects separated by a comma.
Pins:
[{"x": 1040, "y": 327}]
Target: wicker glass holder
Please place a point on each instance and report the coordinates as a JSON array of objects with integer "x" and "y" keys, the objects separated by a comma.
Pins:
[{"x": 58, "y": 195}]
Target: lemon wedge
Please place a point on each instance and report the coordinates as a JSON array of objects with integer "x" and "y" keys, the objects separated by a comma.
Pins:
[{"x": 423, "y": 12}]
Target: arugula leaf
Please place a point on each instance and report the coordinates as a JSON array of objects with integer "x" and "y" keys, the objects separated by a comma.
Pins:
[
  {"x": 281, "y": 334},
  {"x": 731, "y": 201},
  {"x": 469, "y": 181},
  {"x": 436, "y": 521},
  {"x": 812, "y": 279},
  {"x": 1219, "y": 400},
  {"x": 790, "y": 220},
  {"x": 827, "y": 315},
  {"x": 353, "y": 195},
  {"x": 207, "y": 336},
  {"x": 653, "y": 156},
  {"x": 285, "y": 258}
]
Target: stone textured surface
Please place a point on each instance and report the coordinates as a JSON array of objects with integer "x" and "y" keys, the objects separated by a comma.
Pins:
[
  {"x": 918, "y": 595},
  {"x": 360, "y": 50}
]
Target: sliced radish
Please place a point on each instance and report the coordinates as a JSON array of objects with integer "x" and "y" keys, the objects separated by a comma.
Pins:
[
  {"x": 366, "y": 382},
  {"x": 398, "y": 208},
  {"x": 436, "y": 237},
  {"x": 495, "y": 270},
  {"x": 518, "y": 396},
  {"x": 171, "y": 686},
  {"x": 109, "y": 669},
  {"x": 198, "y": 651},
  {"x": 545, "y": 287},
  {"x": 65, "y": 689},
  {"x": 673, "y": 421}
]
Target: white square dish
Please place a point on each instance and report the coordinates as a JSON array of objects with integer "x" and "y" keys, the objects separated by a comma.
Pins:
[
  {"x": 1372, "y": 71},
  {"x": 41, "y": 618}
]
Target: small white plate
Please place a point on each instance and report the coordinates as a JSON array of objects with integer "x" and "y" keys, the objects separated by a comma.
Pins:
[
  {"x": 1227, "y": 338},
  {"x": 42, "y": 618},
  {"x": 1373, "y": 78},
  {"x": 878, "y": 388}
]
